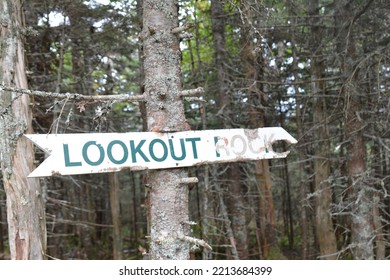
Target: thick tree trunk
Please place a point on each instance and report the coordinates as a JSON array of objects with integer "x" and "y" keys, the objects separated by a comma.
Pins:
[
  {"x": 25, "y": 203},
  {"x": 378, "y": 158},
  {"x": 360, "y": 194},
  {"x": 362, "y": 231},
  {"x": 1, "y": 228},
  {"x": 266, "y": 210},
  {"x": 165, "y": 112}
]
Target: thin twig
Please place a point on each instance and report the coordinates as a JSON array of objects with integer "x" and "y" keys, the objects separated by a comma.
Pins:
[
  {"x": 62, "y": 110},
  {"x": 196, "y": 241}
]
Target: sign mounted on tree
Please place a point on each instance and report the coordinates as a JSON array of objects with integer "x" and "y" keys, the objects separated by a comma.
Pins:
[{"x": 71, "y": 154}]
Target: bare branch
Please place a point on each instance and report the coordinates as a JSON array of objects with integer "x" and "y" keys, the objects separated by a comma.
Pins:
[
  {"x": 194, "y": 99},
  {"x": 186, "y": 35},
  {"x": 78, "y": 96},
  {"x": 81, "y": 223},
  {"x": 378, "y": 139},
  {"x": 191, "y": 223},
  {"x": 196, "y": 241},
  {"x": 362, "y": 11},
  {"x": 192, "y": 92},
  {"x": 181, "y": 28},
  {"x": 189, "y": 180},
  {"x": 75, "y": 96}
]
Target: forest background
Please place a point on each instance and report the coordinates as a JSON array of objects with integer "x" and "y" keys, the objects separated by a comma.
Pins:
[{"x": 318, "y": 68}]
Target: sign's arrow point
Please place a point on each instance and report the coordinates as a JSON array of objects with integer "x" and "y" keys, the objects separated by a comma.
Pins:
[{"x": 42, "y": 141}]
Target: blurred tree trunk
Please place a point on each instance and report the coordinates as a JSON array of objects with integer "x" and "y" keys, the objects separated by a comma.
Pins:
[
  {"x": 360, "y": 195},
  {"x": 142, "y": 108},
  {"x": 378, "y": 159},
  {"x": 1, "y": 226},
  {"x": 238, "y": 212},
  {"x": 253, "y": 64},
  {"x": 323, "y": 189},
  {"x": 221, "y": 59},
  {"x": 300, "y": 133},
  {"x": 115, "y": 214},
  {"x": 168, "y": 198},
  {"x": 378, "y": 151},
  {"x": 81, "y": 60},
  {"x": 113, "y": 182},
  {"x": 25, "y": 202},
  {"x": 142, "y": 104},
  {"x": 228, "y": 227}
]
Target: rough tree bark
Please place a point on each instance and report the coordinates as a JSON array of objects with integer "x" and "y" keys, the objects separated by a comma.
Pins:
[
  {"x": 1, "y": 229},
  {"x": 168, "y": 209},
  {"x": 25, "y": 203},
  {"x": 323, "y": 190},
  {"x": 360, "y": 193}
]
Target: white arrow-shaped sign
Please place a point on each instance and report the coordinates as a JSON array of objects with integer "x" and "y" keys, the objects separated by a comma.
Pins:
[{"x": 70, "y": 154}]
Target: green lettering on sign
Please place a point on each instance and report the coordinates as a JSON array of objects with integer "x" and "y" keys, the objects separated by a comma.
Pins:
[
  {"x": 66, "y": 157},
  {"x": 125, "y": 152},
  {"x": 183, "y": 150},
  {"x": 151, "y": 150},
  {"x": 85, "y": 153},
  {"x": 193, "y": 142},
  {"x": 137, "y": 150}
]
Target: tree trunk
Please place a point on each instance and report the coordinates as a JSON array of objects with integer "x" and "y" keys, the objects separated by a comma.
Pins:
[
  {"x": 141, "y": 104},
  {"x": 266, "y": 210},
  {"x": 323, "y": 190},
  {"x": 360, "y": 195},
  {"x": 228, "y": 227},
  {"x": 300, "y": 134},
  {"x": 238, "y": 213},
  {"x": 253, "y": 71},
  {"x": 25, "y": 203},
  {"x": 115, "y": 214},
  {"x": 80, "y": 36},
  {"x": 205, "y": 193},
  {"x": 165, "y": 113},
  {"x": 218, "y": 30},
  {"x": 1, "y": 227}
]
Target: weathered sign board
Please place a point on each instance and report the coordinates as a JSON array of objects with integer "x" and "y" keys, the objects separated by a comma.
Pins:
[{"x": 70, "y": 154}]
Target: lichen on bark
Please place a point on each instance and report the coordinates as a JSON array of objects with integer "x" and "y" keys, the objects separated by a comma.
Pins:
[
  {"x": 168, "y": 207},
  {"x": 25, "y": 205}
]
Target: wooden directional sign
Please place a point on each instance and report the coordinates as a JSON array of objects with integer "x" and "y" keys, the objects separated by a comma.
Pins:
[{"x": 70, "y": 154}]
